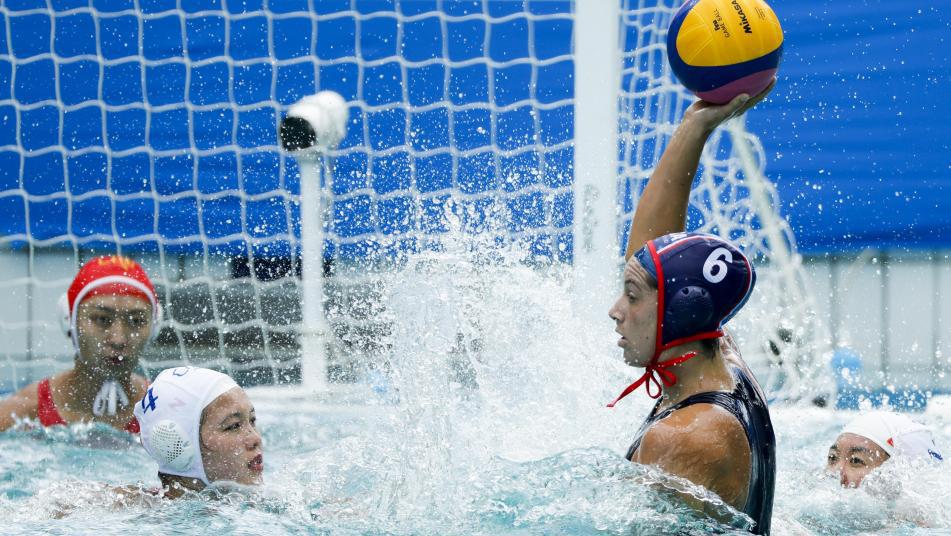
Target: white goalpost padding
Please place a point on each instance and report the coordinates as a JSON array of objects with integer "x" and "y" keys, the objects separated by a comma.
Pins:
[
  {"x": 595, "y": 230},
  {"x": 313, "y": 329},
  {"x": 312, "y": 128}
]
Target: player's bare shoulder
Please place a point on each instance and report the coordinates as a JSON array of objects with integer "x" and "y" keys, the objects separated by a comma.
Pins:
[
  {"x": 21, "y": 405},
  {"x": 705, "y": 444},
  {"x": 703, "y": 433}
]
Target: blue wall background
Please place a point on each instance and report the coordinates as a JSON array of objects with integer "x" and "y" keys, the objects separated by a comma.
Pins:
[{"x": 857, "y": 132}]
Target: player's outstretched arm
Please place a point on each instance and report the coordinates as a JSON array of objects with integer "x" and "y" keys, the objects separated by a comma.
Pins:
[{"x": 662, "y": 208}]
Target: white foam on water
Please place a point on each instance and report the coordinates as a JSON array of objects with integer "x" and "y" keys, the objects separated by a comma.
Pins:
[
  {"x": 491, "y": 420},
  {"x": 495, "y": 375}
]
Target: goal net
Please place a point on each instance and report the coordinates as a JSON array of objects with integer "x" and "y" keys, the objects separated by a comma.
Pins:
[{"x": 149, "y": 128}]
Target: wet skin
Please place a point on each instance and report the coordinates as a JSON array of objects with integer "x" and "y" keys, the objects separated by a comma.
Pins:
[
  {"x": 635, "y": 315},
  {"x": 113, "y": 330},
  {"x": 853, "y": 457},
  {"x": 231, "y": 446}
]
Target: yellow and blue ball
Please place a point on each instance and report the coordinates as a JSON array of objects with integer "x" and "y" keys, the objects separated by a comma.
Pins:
[{"x": 721, "y": 48}]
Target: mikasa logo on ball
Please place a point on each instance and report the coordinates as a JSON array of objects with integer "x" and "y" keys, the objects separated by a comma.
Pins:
[{"x": 744, "y": 22}]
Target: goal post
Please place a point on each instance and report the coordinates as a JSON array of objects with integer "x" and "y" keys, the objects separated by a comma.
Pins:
[
  {"x": 597, "y": 63},
  {"x": 313, "y": 329},
  {"x": 152, "y": 129},
  {"x": 311, "y": 129}
]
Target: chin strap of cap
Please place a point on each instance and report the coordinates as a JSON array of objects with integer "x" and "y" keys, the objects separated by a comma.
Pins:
[
  {"x": 649, "y": 378},
  {"x": 111, "y": 396},
  {"x": 659, "y": 368}
]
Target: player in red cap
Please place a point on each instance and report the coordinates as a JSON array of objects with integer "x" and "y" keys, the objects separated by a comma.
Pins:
[
  {"x": 110, "y": 312},
  {"x": 710, "y": 424}
]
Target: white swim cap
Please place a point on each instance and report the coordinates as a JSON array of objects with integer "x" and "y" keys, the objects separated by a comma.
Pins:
[
  {"x": 169, "y": 416},
  {"x": 896, "y": 434}
]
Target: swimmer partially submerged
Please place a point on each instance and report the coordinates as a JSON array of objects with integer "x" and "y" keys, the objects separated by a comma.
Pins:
[
  {"x": 711, "y": 425},
  {"x": 870, "y": 440},
  {"x": 200, "y": 427},
  {"x": 109, "y": 313}
]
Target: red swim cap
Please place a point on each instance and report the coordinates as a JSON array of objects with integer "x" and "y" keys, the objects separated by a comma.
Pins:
[{"x": 111, "y": 275}]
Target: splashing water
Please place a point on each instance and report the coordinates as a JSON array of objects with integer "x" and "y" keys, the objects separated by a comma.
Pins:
[{"x": 491, "y": 420}]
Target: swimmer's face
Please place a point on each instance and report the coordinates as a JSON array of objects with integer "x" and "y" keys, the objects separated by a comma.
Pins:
[
  {"x": 635, "y": 314},
  {"x": 231, "y": 447},
  {"x": 853, "y": 457},
  {"x": 112, "y": 331}
]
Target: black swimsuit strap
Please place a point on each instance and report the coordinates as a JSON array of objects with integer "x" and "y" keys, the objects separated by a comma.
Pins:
[
  {"x": 719, "y": 398},
  {"x": 726, "y": 400}
]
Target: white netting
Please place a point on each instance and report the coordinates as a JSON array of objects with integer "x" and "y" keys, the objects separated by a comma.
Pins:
[{"x": 149, "y": 127}]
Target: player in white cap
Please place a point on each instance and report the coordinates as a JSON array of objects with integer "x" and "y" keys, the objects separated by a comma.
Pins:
[
  {"x": 200, "y": 427},
  {"x": 871, "y": 439}
]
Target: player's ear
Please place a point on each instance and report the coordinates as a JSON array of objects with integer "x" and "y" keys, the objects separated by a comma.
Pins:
[
  {"x": 62, "y": 307},
  {"x": 689, "y": 311}
]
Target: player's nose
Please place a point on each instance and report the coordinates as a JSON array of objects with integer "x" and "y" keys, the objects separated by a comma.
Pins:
[
  {"x": 118, "y": 334},
  {"x": 615, "y": 311},
  {"x": 844, "y": 480}
]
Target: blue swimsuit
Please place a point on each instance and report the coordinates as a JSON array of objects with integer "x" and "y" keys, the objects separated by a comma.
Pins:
[{"x": 748, "y": 405}]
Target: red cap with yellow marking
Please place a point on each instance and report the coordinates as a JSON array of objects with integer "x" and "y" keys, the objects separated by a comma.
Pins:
[{"x": 112, "y": 275}]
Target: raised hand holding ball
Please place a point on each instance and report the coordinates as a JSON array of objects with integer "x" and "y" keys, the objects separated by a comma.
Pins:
[{"x": 719, "y": 49}]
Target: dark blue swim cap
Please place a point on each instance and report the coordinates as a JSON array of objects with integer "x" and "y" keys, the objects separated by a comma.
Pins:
[{"x": 702, "y": 281}]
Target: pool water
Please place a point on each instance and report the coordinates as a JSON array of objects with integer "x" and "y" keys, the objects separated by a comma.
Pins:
[
  {"x": 493, "y": 420},
  {"x": 337, "y": 470}
]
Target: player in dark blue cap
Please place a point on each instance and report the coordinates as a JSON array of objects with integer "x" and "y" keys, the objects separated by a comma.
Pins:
[{"x": 710, "y": 424}]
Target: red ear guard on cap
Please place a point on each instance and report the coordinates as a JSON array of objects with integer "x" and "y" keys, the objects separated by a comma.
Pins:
[
  {"x": 702, "y": 281},
  {"x": 108, "y": 275}
]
